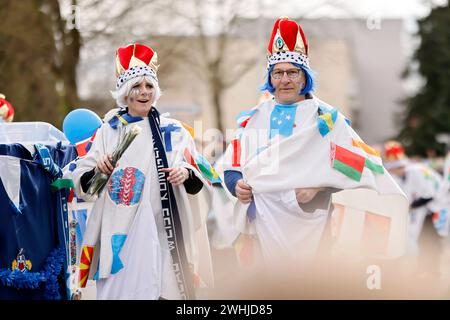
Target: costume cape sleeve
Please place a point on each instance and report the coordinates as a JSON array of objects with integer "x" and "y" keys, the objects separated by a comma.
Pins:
[
  {"x": 81, "y": 165},
  {"x": 194, "y": 208},
  {"x": 329, "y": 153},
  {"x": 233, "y": 156}
]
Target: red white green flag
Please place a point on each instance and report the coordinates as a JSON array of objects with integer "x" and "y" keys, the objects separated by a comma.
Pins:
[{"x": 347, "y": 162}]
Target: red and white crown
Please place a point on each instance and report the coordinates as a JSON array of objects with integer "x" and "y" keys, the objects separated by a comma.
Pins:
[
  {"x": 287, "y": 43},
  {"x": 135, "y": 60},
  {"x": 394, "y": 155},
  {"x": 6, "y": 110}
]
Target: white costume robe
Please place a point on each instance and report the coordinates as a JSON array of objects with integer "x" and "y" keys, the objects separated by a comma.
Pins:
[
  {"x": 222, "y": 230},
  {"x": 420, "y": 181},
  {"x": 125, "y": 241},
  {"x": 276, "y": 164}
]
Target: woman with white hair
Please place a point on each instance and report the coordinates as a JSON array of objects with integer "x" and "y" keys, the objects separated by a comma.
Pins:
[{"x": 142, "y": 240}]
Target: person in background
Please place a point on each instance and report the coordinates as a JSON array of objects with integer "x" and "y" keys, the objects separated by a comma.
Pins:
[
  {"x": 421, "y": 184},
  {"x": 6, "y": 110}
]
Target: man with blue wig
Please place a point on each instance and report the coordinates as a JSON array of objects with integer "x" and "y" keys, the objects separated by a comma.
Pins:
[{"x": 291, "y": 153}]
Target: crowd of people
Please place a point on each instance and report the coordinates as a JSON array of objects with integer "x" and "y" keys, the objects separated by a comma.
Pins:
[{"x": 288, "y": 187}]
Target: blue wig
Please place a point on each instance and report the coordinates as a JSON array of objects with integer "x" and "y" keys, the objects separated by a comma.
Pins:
[{"x": 309, "y": 77}]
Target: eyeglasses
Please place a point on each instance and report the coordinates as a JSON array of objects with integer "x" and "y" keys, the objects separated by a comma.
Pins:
[{"x": 291, "y": 73}]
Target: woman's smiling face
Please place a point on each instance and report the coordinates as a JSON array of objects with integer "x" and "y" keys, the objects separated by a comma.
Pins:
[{"x": 140, "y": 99}]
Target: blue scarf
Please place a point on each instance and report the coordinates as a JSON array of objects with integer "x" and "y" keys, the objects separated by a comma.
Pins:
[{"x": 174, "y": 232}]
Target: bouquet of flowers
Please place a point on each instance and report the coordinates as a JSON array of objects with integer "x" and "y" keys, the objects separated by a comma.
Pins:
[{"x": 99, "y": 180}]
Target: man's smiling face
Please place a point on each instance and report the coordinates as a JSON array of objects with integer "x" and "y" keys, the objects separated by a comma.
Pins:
[{"x": 288, "y": 87}]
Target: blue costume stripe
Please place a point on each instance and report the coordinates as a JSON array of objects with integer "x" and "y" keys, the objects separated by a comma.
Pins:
[
  {"x": 117, "y": 242},
  {"x": 251, "y": 211},
  {"x": 231, "y": 178},
  {"x": 114, "y": 122},
  {"x": 322, "y": 125},
  {"x": 282, "y": 120},
  {"x": 246, "y": 113},
  {"x": 167, "y": 132},
  {"x": 138, "y": 186}
]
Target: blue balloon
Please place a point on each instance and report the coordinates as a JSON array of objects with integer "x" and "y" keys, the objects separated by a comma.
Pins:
[{"x": 80, "y": 124}]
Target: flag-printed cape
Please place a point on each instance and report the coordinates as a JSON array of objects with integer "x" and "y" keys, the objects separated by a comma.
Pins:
[
  {"x": 222, "y": 231},
  {"x": 106, "y": 231},
  {"x": 318, "y": 148}
]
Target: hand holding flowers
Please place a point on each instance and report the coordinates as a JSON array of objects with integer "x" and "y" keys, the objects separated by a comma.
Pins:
[{"x": 107, "y": 164}]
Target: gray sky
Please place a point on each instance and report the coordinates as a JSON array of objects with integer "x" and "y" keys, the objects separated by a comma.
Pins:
[{"x": 360, "y": 8}]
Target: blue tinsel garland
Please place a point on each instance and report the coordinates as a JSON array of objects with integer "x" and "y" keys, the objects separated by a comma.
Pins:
[{"x": 33, "y": 280}]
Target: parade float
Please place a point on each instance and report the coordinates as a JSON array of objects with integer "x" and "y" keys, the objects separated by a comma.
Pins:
[{"x": 41, "y": 220}]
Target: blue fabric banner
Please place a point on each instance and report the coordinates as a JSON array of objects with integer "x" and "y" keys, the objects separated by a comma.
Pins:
[{"x": 33, "y": 260}]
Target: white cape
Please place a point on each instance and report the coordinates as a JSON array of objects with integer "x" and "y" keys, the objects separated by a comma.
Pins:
[
  {"x": 114, "y": 215},
  {"x": 307, "y": 159}
]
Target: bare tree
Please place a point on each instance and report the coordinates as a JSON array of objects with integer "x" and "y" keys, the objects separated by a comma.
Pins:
[
  {"x": 68, "y": 42},
  {"x": 35, "y": 39},
  {"x": 218, "y": 69}
]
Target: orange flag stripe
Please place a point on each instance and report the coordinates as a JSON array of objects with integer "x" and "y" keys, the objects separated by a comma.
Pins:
[
  {"x": 83, "y": 281},
  {"x": 87, "y": 252},
  {"x": 368, "y": 149},
  {"x": 85, "y": 265},
  {"x": 189, "y": 128}
]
